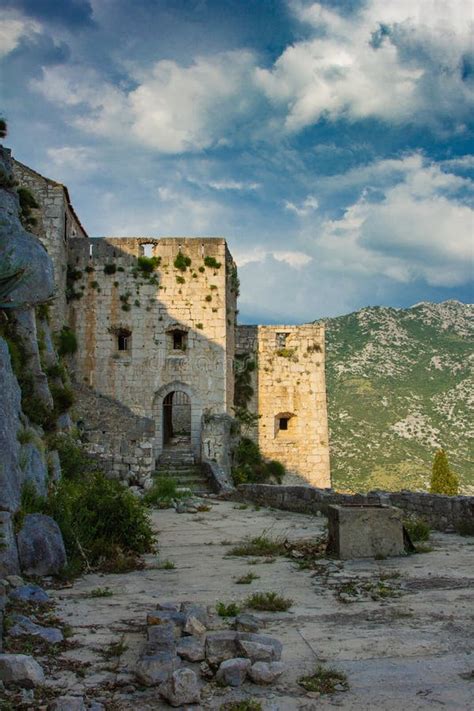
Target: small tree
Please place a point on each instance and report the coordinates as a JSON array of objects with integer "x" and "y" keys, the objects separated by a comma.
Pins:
[
  {"x": 443, "y": 480},
  {"x": 3, "y": 127}
]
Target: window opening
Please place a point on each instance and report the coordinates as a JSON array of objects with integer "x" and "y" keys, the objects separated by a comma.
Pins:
[
  {"x": 124, "y": 340},
  {"x": 281, "y": 339}
]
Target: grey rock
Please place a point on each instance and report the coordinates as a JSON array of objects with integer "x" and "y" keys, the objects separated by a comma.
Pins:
[
  {"x": 9, "y": 563},
  {"x": 233, "y": 672},
  {"x": 23, "y": 248},
  {"x": 247, "y": 623},
  {"x": 41, "y": 546},
  {"x": 95, "y": 706},
  {"x": 35, "y": 469},
  {"x": 261, "y": 639},
  {"x": 20, "y": 669},
  {"x": 14, "y": 581},
  {"x": 181, "y": 688},
  {"x": 190, "y": 609},
  {"x": 266, "y": 672},
  {"x": 256, "y": 652},
  {"x": 221, "y": 646},
  {"x": 194, "y": 627},
  {"x": 191, "y": 649},
  {"x": 162, "y": 637},
  {"x": 30, "y": 593},
  {"x": 170, "y": 606},
  {"x": 25, "y": 626},
  {"x": 68, "y": 703},
  {"x": 161, "y": 617},
  {"x": 154, "y": 669},
  {"x": 10, "y": 408}
]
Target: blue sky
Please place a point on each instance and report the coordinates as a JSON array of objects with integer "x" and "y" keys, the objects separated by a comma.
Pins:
[{"x": 331, "y": 143}]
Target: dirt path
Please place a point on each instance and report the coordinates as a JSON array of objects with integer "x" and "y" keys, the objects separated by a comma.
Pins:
[{"x": 411, "y": 651}]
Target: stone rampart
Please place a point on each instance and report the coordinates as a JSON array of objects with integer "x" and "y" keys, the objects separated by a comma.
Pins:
[{"x": 443, "y": 513}]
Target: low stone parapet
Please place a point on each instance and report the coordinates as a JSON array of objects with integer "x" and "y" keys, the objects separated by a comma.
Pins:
[{"x": 444, "y": 513}]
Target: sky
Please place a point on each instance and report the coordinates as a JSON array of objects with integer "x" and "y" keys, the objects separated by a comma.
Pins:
[{"x": 331, "y": 142}]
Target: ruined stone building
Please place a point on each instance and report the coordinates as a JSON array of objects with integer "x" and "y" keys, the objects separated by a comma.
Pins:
[{"x": 160, "y": 355}]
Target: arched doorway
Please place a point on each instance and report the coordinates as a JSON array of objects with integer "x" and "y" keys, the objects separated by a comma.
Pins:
[{"x": 176, "y": 419}]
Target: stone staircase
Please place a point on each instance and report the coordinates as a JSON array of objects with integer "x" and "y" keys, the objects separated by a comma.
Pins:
[{"x": 180, "y": 465}]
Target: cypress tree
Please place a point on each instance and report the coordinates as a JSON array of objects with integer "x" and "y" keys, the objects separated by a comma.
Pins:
[{"x": 443, "y": 480}]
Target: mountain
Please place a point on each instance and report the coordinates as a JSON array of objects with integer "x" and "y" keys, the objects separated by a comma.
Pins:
[{"x": 400, "y": 385}]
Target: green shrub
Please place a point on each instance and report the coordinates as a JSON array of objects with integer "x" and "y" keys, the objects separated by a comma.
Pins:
[
  {"x": 276, "y": 470},
  {"x": 162, "y": 493},
  {"x": 182, "y": 262},
  {"x": 27, "y": 204},
  {"x": 443, "y": 479},
  {"x": 74, "y": 461},
  {"x": 147, "y": 265},
  {"x": 3, "y": 128},
  {"x": 180, "y": 280},
  {"x": 229, "y": 610},
  {"x": 42, "y": 312},
  {"x": 66, "y": 341},
  {"x": 251, "y": 467},
  {"x": 110, "y": 268},
  {"x": 324, "y": 681},
  {"x": 417, "y": 528},
  {"x": 63, "y": 397},
  {"x": 269, "y": 602},
  {"x": 212, "y": 263},
  {"x": 261, "y": 545}
]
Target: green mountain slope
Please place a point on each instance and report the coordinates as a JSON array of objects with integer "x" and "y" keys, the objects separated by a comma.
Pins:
[{"x": 400, "y": 384}]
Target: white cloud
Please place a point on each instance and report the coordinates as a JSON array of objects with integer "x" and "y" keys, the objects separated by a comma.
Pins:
[
  {"x": 71, "y": 158},
  {"x": 293, "y": 259},
  {"x": 233, "y": 185},
  {"x": 309, "y": 205},
  {"x": 419, "y": 228},
  {"x": 397, "y": 61},
  {"x": 13, "y": 27}
]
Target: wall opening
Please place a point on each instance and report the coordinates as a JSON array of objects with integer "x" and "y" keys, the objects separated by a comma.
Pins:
[
  {"x": 147, "y": 249},
  {"x": 284, "y": 422},
  {"x": 177, "y": 419},
  {"x": 178, "y": 340},
  {"x": 124, "y": 340},
  {"x": 280, "y": 338}
]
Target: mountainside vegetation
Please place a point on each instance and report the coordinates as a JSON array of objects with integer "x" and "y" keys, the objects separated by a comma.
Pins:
[{"x": 400, "y": 386}]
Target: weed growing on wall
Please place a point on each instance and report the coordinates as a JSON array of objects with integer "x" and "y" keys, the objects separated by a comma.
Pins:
[
  {"x": 182, "y": 262},
  {"x": 28, "y": 203}
]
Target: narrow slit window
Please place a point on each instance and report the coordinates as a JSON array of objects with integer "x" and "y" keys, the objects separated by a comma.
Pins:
[
  {"x": 283, "y": 424},
  {"x": 124, "y": 341}
]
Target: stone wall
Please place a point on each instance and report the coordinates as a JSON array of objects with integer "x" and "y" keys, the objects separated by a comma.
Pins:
[
  {"x": 57, "y": 223},
  {"x": 290, "y": 397},
  {"x": 120, "y": 441},
  {"x": 197, "y": 302},
  {"x": 441, "y": 512}
]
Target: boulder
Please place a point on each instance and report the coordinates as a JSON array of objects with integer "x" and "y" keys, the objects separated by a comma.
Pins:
[
  {"x": 255, "y": 651},
  {"x": 161, "y": 637},
  {"x": 260, "y": 639},
  {"x": 9, "y": 563},
  {"x": 41, "y": 546},
  {"x": 194, "y": 627},
  {"x": 247, "y": 623},
  {"x": 181, "y": 688},
  {"x": 163, "y": 617},
  {"x": 154, "y": 669},
  {"x": 233, "y": 671},
  {"x": 20, "y": 669},
  {"x": 191, "y": 649},
  {"x": 10, "y": 408},
  {"x": 25, "y": 626},
  {"x": 266, "y": 672},
  {"x": 68, "y": 703},
  {"x": 35, "y": 469},
  {"x": 190, "y": 609},
  {"x": 221, "y": 646},
  {"x": 30, "y": 593}
]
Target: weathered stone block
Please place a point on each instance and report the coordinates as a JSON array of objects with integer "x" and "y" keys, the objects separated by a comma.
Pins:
[
  {"x": 233, "y": 671},
  {"x": 41, "y": 546},
  {"x": 364, "y": 531},
  {"x": 20, "y": 669}
]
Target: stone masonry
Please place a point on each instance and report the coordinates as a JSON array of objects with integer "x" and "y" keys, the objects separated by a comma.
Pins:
[{"x": 162, "y": 343}]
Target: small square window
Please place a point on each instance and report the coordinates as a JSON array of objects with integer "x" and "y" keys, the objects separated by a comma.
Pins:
[
  {"x": 283, "y": 423},
  {"x": 177, "y": 340}
]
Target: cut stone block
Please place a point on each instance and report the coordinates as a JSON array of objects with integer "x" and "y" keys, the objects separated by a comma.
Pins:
[{"x": 364, "y": 532}]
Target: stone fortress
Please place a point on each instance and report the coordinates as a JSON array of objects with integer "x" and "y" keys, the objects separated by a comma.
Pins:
[{"x": 160, "y": 355}]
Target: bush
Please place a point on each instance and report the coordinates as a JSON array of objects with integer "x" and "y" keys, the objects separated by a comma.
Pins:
[
  {"x": 251, "y": 467},
  {"x": 162, "y": 493},
  {"x": 110, "y": 269},
  {"x": 63, "y": 397},
  {"x": 182, "y": 262},
  {"x": 443, "y": 480},
  {"x": 3, "y": 128},
  {"x": 269, "y": 601},
  {"x": 66, "y": 341},
  {"x": 212, "y": 263},
  {"x": 417, "y": 529},
  {"x": 147, "y": 265},
  {"x": 230, "y": 610},
  {"x": 27, "y": 203}
]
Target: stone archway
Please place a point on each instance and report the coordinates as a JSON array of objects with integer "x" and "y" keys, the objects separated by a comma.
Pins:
[{"x": 177, "y": 409}]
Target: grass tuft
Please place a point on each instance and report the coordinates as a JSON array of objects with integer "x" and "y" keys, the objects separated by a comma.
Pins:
[
  {"x": 232, "y": 609},
  {"x": 324, "y": 681},
  {"x": 269, "y": 601}
]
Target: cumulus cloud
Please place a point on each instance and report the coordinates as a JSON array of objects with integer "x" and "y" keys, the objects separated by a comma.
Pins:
[
  {"x": 292, "y": 258},
  {"x": 419, "y": 228},
  {"x": 13, "y": 28},
  {"x": 309, "y": 205},
  {"x": 404, "y": 61}
]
